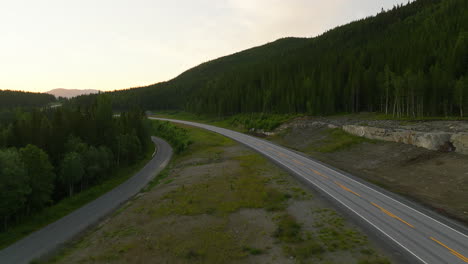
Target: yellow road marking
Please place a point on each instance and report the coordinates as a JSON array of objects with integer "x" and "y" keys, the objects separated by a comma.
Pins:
[
  {"x": 458, "y": 255},
  {"x": 298, "y": 162},
  {"x": 282, "y": 155},
  {"x": 318, "y": 173},
  {"x": 392, "y": 215},
  {"x": 347, "y": 189}
]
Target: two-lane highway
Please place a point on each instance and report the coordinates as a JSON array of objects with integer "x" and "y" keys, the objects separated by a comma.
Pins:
[{"x": 424, "y": 238}]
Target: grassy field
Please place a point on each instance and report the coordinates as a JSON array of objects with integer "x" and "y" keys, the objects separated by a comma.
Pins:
[
  {"x": 219, "y": 202},
  {"x": 68, "y": 205}
]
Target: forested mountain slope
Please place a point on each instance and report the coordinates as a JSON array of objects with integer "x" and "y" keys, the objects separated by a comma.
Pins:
[
  {"x": 10, "y": 99},
  {"x": 408, "y": 61}
]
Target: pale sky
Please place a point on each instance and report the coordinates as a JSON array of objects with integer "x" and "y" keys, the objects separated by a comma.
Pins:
[{"x": 116, "y": 44}]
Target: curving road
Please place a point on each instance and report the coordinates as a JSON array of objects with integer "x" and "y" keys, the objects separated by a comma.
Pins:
[
  {"x": 51, "y": 237},
  {"x": 422, "y": 237}
]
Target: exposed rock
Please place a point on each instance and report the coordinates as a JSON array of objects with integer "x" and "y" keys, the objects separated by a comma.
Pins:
[
  {"x": 444, "y": 141},
  {"x": 434, "y": 135},
  {"x": 460, "y": 142}
]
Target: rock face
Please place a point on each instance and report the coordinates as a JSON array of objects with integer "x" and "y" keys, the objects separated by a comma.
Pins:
[
  {"x": 435, "y": 135},
  {"x": 460, "y": 142},
  {"x": 428, "y": 140}
]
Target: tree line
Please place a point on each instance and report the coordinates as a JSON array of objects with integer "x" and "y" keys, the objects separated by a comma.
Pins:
[
  {"x": 11, "y": 99},
  {"x": 410, "y": 61},
  {"x": 50, "y": 154}
]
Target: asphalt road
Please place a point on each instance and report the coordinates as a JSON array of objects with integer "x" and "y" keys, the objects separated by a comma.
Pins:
[
  {"x": 420, "y": 236},
  {"x": 51, "y": 237}
]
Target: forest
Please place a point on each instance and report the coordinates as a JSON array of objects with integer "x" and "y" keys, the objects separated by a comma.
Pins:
[
  {"x": 11, "y": 99},
  {"x": 410, "y": 61},
  {"x": 48, "y": 154}
]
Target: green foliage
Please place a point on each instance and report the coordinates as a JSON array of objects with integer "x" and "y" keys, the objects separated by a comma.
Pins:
[
  {"x": 374, "y": 260},
  {"x": 129, "y": 148},
  {"x": 403, "y": 62},
  {"x": 81, "y": 145},
  {"x": 337, "y": 139},
  {"x": 67, "y": 205},
  {"x": 178, "y": 137},
  {"x": 11, "y": 99},
  {"x": 262, "y": 121},
  {"x": 253, "y": 251},
  {"x": 14, "y": 187},
  {"x": 41, "y": 176},
  {"x": 71, "y": 170},
  {"x": 157, "y": 180},
  {"x": 288, "y": 230}
]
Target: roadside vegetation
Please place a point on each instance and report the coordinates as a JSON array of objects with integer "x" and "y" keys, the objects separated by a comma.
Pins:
[
  {"x": 336, "y": 139},
  {"x": 239, "y": 122},
  {"x": 176, "y": 136},
  {"x": 219, "y": 202}
]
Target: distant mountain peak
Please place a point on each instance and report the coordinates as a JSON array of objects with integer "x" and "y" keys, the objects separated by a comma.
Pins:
[{"x": 69, "y": 93}]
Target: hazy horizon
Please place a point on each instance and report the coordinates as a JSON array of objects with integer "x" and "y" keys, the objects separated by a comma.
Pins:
[{"x": 109, "y": 45}]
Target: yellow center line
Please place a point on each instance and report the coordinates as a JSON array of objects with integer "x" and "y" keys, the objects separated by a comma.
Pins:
[
  {"x": 458, "y": 255},
  {"x": 392, "y": 215},
  {"x": 347, "y": 189},
  {"x": 318, "y": 173},
  {"x": 282, "y": 155},
  {"x": 298, "y": 162}
]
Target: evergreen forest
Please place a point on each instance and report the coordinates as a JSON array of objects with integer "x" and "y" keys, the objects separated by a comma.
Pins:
[
  {"x": 410, "y": 61},
  {"x": 11, "y": 99},
  {"x": 50, "y": 154}
]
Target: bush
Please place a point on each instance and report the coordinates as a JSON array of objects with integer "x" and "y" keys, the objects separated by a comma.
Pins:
[
  {"x": 177, "y": 137},
  {"x": 262, "y": 121}
]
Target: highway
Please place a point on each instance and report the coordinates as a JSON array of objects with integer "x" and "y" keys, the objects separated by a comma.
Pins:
[
  {"x": 51, "y": 237},
  {"x": 419, "y": 236}
]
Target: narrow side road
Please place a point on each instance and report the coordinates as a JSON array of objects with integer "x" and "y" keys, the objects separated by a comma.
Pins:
[
  {"x": 423, "y": 238},
  {"x": 54, "y": 235}
]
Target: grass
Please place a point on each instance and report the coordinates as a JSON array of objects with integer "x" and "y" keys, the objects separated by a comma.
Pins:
[
  {"x": 337, "y": 139},
  {"x": 213, "y": 244},
  {"x": 330, "y": 235},
  {"x": 157, "y": 179},
  {"x": 288, "y": 230},
  {"x": 224, "y": 194},
  {"x": 295, "y": 243},
  {"x": 68, "y": 205}
]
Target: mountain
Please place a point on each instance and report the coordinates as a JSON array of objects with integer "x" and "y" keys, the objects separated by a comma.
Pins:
[
  {"x": 411, "y": 60},
  {"x": 69, "y": 93}
]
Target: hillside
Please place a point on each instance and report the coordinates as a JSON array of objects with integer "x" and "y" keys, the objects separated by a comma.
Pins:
[
  {"x": 69, "y": 93},
  {"x": 408, "y": 61},
  {"x": 11, "y": 99}
]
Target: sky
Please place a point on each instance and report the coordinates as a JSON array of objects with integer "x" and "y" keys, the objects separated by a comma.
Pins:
[{"x": 117, "y": 44}]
